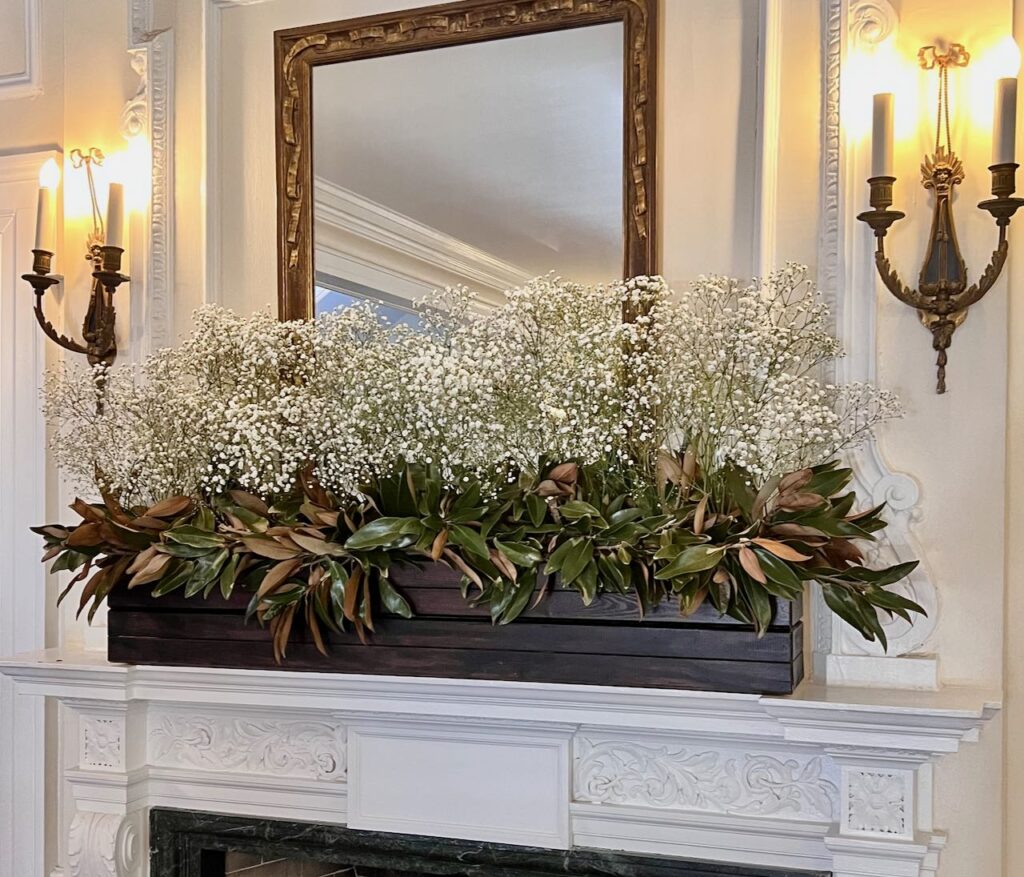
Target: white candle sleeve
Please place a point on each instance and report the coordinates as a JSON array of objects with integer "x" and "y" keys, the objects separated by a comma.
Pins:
[
  {"x": 1004, "y": 134},
  {"x": 881, "y": 137},
  {"x": 115, "y": 216},
  {"x": 46, "y": 227}
]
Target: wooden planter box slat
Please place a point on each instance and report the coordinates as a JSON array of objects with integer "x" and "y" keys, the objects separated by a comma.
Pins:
[{"x": 560, "y": 640}]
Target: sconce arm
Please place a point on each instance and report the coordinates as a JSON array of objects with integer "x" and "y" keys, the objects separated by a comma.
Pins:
[
  {"x": 893, "y": 283},
  {"x": 989, "y": 276},
  {"x": 51, "y": 333}
]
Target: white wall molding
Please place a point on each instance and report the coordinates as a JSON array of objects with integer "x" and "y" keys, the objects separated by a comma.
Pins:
[
  {"x": 26, "y": 82},
  {"x": 150, "y": 114},
  {"x": 23, "y": 479},
  {"x": 831, "y": 779},
  {"x": 847, "y": 279}
]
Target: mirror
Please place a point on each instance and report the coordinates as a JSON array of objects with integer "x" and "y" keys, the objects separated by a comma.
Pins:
[{"x": 478, "y": 143}]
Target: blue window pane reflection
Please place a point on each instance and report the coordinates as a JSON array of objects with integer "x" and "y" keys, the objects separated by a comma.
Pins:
[{"x": 340, "y": 295}]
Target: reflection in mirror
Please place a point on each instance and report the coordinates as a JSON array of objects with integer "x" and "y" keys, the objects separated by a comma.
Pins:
[{"x": 483, "y": 164}]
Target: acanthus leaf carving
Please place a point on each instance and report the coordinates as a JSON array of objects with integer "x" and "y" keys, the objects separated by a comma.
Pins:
[
  {"x": 306, "y": 749},
  {"x": 720, "y": 781}
]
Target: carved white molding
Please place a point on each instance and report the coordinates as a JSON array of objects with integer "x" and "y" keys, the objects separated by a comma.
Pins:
[
  {"x": 310, "y": 749},
  {"x": 101, "y": 742},
  {"x": 26, "y": 82},
  {"x": 871, "y": 22},
  {"x": 847, "y": 279},
  {"x": 878, "y": 802},
  {"x": 103, "y": 845},
  {"x": 800, "y": 783},
  {"x": 150, "y": 113},
  {"x": 699, "y": 778}
]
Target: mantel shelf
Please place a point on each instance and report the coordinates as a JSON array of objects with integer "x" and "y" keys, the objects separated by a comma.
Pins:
[{"x": 925, "y": 722}]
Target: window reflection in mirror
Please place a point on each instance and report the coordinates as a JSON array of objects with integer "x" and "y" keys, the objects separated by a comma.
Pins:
[{"x": 483, "y": 164}]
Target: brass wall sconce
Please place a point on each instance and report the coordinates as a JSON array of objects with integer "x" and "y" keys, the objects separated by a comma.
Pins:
[
  {"x": 942, "y": 297},
  {"x": 103, "y": 249}
]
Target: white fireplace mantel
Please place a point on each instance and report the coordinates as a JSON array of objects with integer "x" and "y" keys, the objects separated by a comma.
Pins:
[{"x": 830, "y": 779}]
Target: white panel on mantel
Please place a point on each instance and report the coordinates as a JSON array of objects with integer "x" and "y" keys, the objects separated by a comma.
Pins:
[{"x": 485, "y": 782}]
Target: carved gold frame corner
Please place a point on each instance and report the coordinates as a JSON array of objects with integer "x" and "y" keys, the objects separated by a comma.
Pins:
[{"x": 298, "y": 50}]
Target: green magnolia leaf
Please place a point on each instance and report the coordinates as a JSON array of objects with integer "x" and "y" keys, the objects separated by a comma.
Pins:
[
  {"x": 519, "y": 553},
  {"x": 469, "y": 539},
  {"x": 193, "y": 537},
  {"x": 696, "y": 558},
  {"x": 778, "y": 571},
  {"x": 392, "y": 600},
  {"x": 227, "y": 576},
  {"x": 378, "y": 533},
  {"x": 576, "y": 510},
  {"x": 576, "y": 560}
]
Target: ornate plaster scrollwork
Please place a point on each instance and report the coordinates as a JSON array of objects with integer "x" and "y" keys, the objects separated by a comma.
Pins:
[
  {"x": 623, "y": 772},
  {"x": 103, "y": 845},
  {"x": 307, "y": 749},
  {"x": 871, "y": 22}
]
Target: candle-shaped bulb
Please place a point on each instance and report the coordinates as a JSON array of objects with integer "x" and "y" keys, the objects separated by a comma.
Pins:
[
  {"x": 46, "y": 207},
  {"x": 115, "y": 216},
  {"x": 881, "y": 136},
  {"x": 1004, "y": 135}
]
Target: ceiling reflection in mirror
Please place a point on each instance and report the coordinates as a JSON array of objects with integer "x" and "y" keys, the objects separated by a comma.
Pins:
[{"x": 483, "y": 164}]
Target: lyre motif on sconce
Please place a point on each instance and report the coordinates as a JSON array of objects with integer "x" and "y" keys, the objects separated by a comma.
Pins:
[
  {"x": 943, "y": 297},
  {"x": 98, "y": 343}
]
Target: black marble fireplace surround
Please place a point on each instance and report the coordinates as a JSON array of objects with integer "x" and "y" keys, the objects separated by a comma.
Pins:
[{"x": 186, "y": 843}]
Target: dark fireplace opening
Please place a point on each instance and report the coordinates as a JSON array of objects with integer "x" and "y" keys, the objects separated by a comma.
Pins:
[{"x": 186, "y": 843}]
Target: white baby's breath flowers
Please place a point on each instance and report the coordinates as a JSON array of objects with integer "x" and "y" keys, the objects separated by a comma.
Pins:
[{"x": 730, "y": 370}]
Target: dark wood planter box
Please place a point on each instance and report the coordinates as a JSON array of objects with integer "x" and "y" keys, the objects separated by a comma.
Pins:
[{"x": 561, "y": 640}]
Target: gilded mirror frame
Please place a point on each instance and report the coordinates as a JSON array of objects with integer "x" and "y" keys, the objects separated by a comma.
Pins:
[{"x": 298, "y": 50}]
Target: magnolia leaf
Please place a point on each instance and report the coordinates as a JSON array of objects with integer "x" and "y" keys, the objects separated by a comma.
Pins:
[
  {"x": 249, "y": 502},
  {"x": 519, "y": 553},
  {"x": 377, "y": 534},
  {"x": 193, "y": 537},
  {"x": 437, "y": 546},
  {"x": 795, "y": 481},
  {"x": 392, "y": 600},
  {"x": 694, "y": 559},
  {"x": 141, "y": 559},
  {"x": 88, "y": 535},
  {"x": 269, "y": 548},
  {"x": 151, "y": 571},
  {"x": 317, "y": 544},
  {"x": 278, "y": 574},
  {"x": 170, "y": 508},
  {"x": 749, "y": 562},
  {"x": 698, "y": 515},
  {"x": 798, "y": 502},
  {"x": 781, "y": 549},
  {"x": 565, "y": 473}
]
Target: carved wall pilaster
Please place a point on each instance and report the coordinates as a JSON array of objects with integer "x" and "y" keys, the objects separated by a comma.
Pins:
[
  {"x": 150, "y": 113},
  {"x": 847, "y": 279}
]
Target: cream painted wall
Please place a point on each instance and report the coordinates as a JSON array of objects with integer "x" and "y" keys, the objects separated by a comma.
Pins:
[{"x": 29, "y": 123}]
